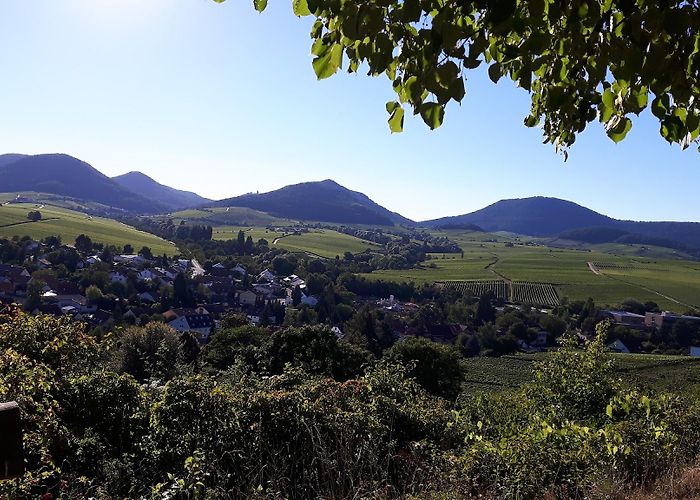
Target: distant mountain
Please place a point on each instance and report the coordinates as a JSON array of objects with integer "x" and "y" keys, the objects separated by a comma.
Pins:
[
  {"x": 67, "y": 176},
  {"x": 143, "y": 185},
  {"x": 552, "y": 217},
  {"x": 324, "y": 201},
  {"x": 10, "y": 158}
]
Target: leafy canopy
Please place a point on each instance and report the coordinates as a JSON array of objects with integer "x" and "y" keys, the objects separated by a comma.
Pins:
[{"x": 580, "y": 61}]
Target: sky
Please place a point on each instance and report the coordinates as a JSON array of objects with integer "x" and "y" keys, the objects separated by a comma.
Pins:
[{"x": 221, "y": 100}]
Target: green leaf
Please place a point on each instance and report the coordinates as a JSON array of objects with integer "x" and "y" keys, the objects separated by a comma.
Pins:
[
  {"x": 396, "y": 118},
  {"x": 327, "y": 64},
  {"x": 432, "y": 114},
  {"x": 300, "y": 8},
  {"x": 660, "y": 105},
  {"x": 495, "y": 72},
  {"x": 607, "y": 106},
  {"x": 619, "y": 131},
  {"x": 672, "y": 129},
  {"x": 260, "y": 5}
]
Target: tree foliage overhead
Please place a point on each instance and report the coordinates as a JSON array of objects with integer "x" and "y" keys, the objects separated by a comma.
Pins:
[{"x": 580, "y": 61}]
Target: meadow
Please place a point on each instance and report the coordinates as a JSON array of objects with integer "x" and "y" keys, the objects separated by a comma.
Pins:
[
  {"x": 320, "y": 242},
  {"x": 68, "y": 224}
]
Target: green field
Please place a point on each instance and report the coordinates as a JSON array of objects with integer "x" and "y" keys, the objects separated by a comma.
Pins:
[
  {"x": 672, "y": 283},
  {"x": 680, "y": 374},
  {"x": 68, "y": 224},
  {"x": 229, "y": 216},
  {"x": 321, "y": 242}
]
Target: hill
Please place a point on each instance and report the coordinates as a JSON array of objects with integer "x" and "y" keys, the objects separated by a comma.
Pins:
[
  {"x": 68, "y": 224},
  {"x": 145, "y": 186},
  {"x": 550, "y": 217},
  {"x": 64, "y": 175},
  {"x": 10, "y": 158},
  {"x": 324, "y": 201}
]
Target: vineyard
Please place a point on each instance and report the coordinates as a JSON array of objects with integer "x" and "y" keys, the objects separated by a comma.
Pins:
[
  {"x": 498, "y": 288},
  {"x": 518, "y": 292},
  {"x": 524, "y": 292},
  {"x": 614, "y": 265}
]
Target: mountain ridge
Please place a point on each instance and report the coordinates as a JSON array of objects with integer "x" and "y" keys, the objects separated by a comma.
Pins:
[
  {"x": 553, "y": 217},
  {"x": 143, "y": 185},
  {"x": 322, "y": 201},
  {"x": 66, "y": 175}
]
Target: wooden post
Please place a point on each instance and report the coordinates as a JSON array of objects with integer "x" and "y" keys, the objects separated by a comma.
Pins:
[{"x": 11, "y": 450}]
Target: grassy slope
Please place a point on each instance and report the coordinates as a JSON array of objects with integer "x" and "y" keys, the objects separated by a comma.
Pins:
[
  {"x": 322, "y": 242},
  {"x": 233, "y": 216},
  {"x": 68, "y": 224},
  {"x": 679, "y": 374}
]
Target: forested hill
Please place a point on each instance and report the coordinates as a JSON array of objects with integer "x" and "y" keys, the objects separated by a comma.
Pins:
[
  {"x": 552, "y": 217},
  {"x": 67, "y": 176},
  {"x": 174, "y": 199},
  {"x": 324, "y": 201}
]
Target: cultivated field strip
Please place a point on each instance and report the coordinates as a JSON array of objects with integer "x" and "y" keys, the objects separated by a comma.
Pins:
[
  {"x": 614, "y": 265},
  {"x": 518, "y": 292}
]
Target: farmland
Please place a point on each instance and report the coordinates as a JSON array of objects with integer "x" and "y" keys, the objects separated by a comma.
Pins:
[
  {"x": 522, "y": 292},
  {"x": 672, "y": 283},
  {"x": 680, "y": 374},
  {"x": 68, "y": 224}
]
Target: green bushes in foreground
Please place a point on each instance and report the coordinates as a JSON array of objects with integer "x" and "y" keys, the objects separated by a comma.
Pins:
[{"x": 235, "y": 432}]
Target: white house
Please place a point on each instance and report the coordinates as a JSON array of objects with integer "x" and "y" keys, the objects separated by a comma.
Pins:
[
  {"x": 267, "y": 276},
  {"x": 248, "y": 298},
  {"x": 200, "y": 324}
]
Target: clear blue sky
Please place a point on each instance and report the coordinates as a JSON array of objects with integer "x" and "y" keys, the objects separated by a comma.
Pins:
[{"x": 221, "y": 100}]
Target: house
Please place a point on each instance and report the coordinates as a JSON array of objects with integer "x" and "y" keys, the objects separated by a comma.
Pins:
[
  {"x": 147, "y": 297},
  {"x": 695, "y": 351},
  {"x": 132, "y": 260},
  {"x": 618, "y": 346},
  {"x": 240, "y": 270},
  {"x": 92, "y": 260},
  {"x": 659, "y": 320},
  {"x": 294, "y": 281},
  {"x": 308, "y": 300},
  {"x": 69, "y": 303},
  {"x": 117, "y": 277},
  {"x": 248, "y": 298},
  {"x": 195, "y": 322},
  {"x": 268, "y": 290},
  {"x": 624, "y": 318},
  {"x": 267, "y": 276}
]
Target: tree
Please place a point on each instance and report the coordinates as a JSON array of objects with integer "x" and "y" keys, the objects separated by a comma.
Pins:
[
  {"x": 434, "y": 366},
  {"x": 83, "y": 243},
  {"x": 128, "y": 249},
  {"x": 153, "y": 351},
  {"x": 296, "y": 296},
  {"x": 34, "y": 215},
  {"x": 485, "y": 312},
  {"x": 93, "y": 294},
  {"x": 580, "y": 61},
  {"x": 146, "y": 253}
]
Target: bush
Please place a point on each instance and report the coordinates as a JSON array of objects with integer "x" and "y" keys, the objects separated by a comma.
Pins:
[{"x": 436, "y": 367}]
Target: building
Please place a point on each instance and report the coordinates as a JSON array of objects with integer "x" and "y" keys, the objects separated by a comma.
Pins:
[
  {"x": 197, "y": 321},
  {"x": 624, "y": 318},
  {"x": 664, "y": 319}
]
